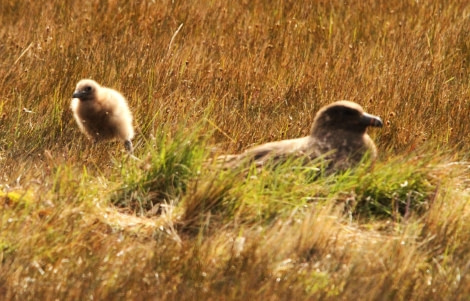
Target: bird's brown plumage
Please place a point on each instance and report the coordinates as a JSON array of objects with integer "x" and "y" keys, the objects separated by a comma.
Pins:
[
  {"x": 102, "y": 113},
  {"x": 338, "y": 133}
]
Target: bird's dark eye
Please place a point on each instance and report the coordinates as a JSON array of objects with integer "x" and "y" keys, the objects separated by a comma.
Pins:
[{"x": 88, "y": 89}]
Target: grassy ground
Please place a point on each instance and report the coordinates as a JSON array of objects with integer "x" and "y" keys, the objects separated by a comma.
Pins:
[{"x": 204, "y": 78}]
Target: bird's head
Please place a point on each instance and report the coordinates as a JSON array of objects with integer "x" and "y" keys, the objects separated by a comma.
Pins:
[
  {"x": 346, "y": 116},
  {"x": 86, "y": 90}
]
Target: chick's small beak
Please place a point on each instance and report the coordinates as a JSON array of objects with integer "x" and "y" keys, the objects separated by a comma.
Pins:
[
  {"x": 372, "y": 120},
  {"x": 77, "y": 94}
]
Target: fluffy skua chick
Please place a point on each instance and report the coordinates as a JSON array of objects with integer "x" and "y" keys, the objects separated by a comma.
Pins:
[{"x": 102, "y": 113}]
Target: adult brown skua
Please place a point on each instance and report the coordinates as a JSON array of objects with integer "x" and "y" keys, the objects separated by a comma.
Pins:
[
  {"x": 102, "y": 113},
  {"x": 338, "y": 134}
]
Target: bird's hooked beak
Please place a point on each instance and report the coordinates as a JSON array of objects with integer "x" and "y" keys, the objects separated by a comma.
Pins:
[{"x": 371, "y": 120}]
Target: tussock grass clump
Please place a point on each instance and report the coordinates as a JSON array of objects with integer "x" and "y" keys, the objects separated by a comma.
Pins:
[
  {"x": 395, "y": 189},
  {"x": 277, "y": 189},
  {"x": 163, "y": 175}
]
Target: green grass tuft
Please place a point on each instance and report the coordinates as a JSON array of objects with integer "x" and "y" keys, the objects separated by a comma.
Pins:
[
  {"x": 398, "y": 189},
  {"x": 163, "y": 175}
]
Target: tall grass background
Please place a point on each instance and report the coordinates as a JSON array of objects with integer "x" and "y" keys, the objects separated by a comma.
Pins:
[{"x": 205, "y": 78}]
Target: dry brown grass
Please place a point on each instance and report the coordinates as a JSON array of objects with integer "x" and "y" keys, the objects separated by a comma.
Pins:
[{"x": 220, "y": 77}]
